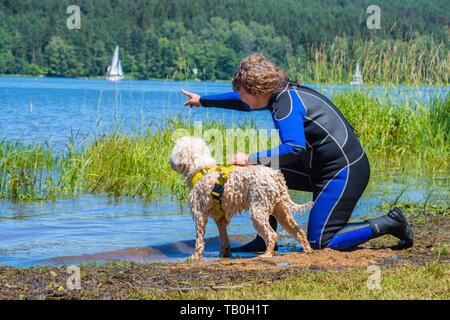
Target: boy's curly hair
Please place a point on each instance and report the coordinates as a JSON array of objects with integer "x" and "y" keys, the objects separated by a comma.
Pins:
[{"x": 258, "y": 75}]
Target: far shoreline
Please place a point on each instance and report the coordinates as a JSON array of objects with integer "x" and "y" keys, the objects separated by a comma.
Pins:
[
  {"x": 103, "y": 78},
  {"x": 367, "y": 83}
]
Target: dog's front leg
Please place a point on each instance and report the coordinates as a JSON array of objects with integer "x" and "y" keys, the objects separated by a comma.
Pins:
[
  {"x": 200, "y": 224},
  {"x": 222, "y": 224}
]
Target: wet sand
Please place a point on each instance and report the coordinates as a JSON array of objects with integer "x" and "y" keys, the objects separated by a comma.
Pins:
[
  {"x": 171, "y": 252},
  {"x": 121, "y": 280}
]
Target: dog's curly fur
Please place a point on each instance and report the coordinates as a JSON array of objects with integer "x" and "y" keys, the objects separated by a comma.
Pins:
[{"x": 259, "y": 189}]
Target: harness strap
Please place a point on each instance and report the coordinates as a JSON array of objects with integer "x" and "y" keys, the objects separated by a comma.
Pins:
[
  {"x": 217, "y": 191},
  {"x": 199, "y": 174}
]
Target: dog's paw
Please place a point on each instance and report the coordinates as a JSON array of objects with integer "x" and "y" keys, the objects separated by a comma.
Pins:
[
  {"x": 194, "y": 258},
  {"x": 307, "y": 250},
  {"x": 266, "y": 255}
]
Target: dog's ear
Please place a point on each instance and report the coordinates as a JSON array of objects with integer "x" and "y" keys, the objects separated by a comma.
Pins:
[
  {"x": 190, "y": 153},
  {"x": 201, "y": 148},
  {"x": 180, "y": 159}
]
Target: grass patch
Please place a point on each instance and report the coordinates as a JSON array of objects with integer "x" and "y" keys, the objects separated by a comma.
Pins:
[
  {"x": 405, "y": 136},
  {"x": 417, "y": 209},
  {"x": 24, "y": 171},
  {"x": 430, "y": 281}
]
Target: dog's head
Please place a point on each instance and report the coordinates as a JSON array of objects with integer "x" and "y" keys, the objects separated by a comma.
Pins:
[{"x": 189, "y": 155}]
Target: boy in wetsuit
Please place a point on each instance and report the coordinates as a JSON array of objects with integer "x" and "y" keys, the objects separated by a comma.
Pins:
[{"x": 319, "y": 153}]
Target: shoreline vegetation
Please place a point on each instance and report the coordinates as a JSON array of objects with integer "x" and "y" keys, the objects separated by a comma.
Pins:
[
  {"x": 128, "y": 78},
  {"x": 412, "y": 139}
]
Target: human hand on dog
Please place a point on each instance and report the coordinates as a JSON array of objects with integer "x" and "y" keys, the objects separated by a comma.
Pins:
[{"x": 240, "y": 159}]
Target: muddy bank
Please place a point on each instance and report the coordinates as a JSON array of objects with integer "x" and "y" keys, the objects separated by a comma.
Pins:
[{"x": 130, "y": 279}]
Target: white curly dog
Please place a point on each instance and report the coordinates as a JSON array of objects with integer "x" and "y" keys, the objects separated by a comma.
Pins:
[{"x": 259, "y": 189}]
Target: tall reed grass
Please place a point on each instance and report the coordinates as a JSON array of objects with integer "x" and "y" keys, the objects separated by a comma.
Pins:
[
  {"x": 419, "y": 60},
  {"x": 410, "y": 134},
  {"x": 23, "y": 171},
  {"x": 409, "y": 137}
]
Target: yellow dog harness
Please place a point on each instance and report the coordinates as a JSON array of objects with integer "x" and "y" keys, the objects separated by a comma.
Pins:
[{"x": 217, "y": 191}]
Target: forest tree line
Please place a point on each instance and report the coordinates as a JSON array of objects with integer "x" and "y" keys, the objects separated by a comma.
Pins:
[{"x": 317, "y": 41}]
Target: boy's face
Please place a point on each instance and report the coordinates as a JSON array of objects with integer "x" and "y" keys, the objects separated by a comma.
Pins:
[{"x": 254, "y": 101}]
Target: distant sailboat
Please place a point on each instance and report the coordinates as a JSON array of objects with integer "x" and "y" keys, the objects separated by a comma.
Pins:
[
  {"x": 357, "y": 77},
  {"x": 115, "y": 72}
]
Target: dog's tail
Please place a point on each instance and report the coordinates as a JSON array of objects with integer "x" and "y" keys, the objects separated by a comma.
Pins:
[{"x": 293, "y": 207}]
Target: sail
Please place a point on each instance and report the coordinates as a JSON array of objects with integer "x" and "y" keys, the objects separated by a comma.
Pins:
[
  {"x": 357, "y": 77},
  {"x": 115, "y": 71},
  {"x": 119, "y": 69}
]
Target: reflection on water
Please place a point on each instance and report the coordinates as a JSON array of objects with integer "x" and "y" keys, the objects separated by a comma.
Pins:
[{"x": 178, "y": 250}]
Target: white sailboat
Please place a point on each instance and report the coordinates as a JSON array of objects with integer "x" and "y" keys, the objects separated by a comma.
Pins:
[
  {"x": 115, "y": 72},
  {"x": 357, "y": 77}
]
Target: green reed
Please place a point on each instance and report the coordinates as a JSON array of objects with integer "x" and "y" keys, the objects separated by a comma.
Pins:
[
  {"x": 129, "y": 165},
  {"x": 404, "y": 135},
  {"x": 417, "y": 60},
  {"x": 23, "y": 171}
]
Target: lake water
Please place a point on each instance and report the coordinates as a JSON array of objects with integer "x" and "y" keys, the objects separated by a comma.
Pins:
[
  {"x": 52, "y": 109},
  {"x": 36, "y": 110}
]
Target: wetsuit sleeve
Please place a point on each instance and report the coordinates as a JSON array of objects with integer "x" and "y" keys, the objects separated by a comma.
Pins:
[
  {"x": 229, "y": 100},
  {"x": 288, "y": 116}
]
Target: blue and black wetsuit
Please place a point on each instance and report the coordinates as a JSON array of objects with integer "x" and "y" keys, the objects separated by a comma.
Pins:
[{"x": 319, "y": 153}]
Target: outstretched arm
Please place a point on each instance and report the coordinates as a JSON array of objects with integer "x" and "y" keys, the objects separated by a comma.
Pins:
[{"x": 229, "y": 100}]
